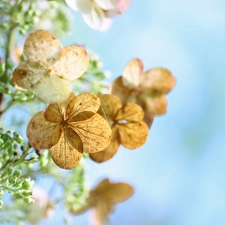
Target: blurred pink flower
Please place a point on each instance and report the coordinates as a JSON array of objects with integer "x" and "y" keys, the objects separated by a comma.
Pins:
[{"x": 98, "y": 13}]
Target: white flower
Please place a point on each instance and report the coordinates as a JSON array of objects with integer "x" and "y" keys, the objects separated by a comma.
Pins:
[{"x": 98, "y": 13}]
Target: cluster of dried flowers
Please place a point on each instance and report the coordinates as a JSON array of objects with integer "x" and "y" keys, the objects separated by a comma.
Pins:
[{"x": 72, "y": 125}]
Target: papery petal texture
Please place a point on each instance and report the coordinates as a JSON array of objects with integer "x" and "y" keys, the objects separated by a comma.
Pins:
[
  {"x": 72, "y": 63},
  {"x": 41, "y": 47},
  {"x": 110, "y": 104},
  {"x": 82, "y": 103},
  {"x": 26, "y": 75},
  {"x": 63, "y": 154},
  {"x": 95, "y": 133},
  {"x": 52, "y": 89},
  {"x": 133, "y": 135},
  {"x": 110, "y": 151},
  {"x": 41, "y": 133},
  {"x": 132, "y": 73},
  {"x": 130, "y": 112}
]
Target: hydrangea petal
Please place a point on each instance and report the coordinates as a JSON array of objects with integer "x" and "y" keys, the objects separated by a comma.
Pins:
[
  {"x": 79, "y": 5},
  {"x": 95, "y": 18},
  {"x": 53, "y": 113},
  {"x": 51, "y": 89},
  {"x": 110, "y": 151},
  {"x": 132, "y": 73},
  {"x": 26, "y": 75},
  {"x": 110, "y": 105},
  {"x": 120, "y": 90},
  {"x": 155, "y": 105},
  {"x": 159, "y": 80},
  {"x": 101, "y": 211},
  {"x": 41, "y": 133},
  {"x": 72, "y": 63},
  {"x": 133, "y": 135},
  {"x": 81, "y": 103},
  {"x": 64, "y": 155},
  {"x": 95, "y": 133},
  {"x": 107, "y": 4},
  {"x": 74, "y": 139},
  {"x": 41, "y": 47},
  {"x": 118, "y": 192},
  {"x": 130, "y": 112}
]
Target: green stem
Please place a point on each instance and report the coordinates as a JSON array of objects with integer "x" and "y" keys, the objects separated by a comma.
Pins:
[{"x": 23, "y": 156}]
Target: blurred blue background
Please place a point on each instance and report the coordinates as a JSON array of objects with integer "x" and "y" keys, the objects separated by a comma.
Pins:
[{"x": 178, "y": 175}]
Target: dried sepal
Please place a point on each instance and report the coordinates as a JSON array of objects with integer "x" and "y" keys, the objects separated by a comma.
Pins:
[
  {"x": 68, "y": 135},
  {"x": 110, "y": 151},
  {"x": 128, "y": 128},
  {"x": 64, "y": 154},
  {"x": 42, "y": 134},
  {"x": 104, "y": 197},
  {"x": 49, "y": 69},
  {"x": 146, "y": 89}
]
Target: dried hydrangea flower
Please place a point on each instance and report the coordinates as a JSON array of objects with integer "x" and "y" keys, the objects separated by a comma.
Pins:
[
  {"x": 98, "y": 13},
  {"x": 103, "y": 197},
  {"x": 146, "y": 89},
  {"x": 48, "y": 68},
  {"x": 126, "y": 123},
  {"x": 70, "y": 128}
]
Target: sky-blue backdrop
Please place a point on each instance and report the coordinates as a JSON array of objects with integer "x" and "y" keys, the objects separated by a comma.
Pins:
[{"x": 178, "y": 174}]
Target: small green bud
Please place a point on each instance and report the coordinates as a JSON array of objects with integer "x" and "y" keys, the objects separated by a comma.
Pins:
[
  {"x": 12, "y": 180},
  {"x": 18, "y": 183},
  {"x": 8, "y": 144},
  {"x": 17, "y": 173},
  {"x": 28, "y": 200},
  {"x": 27, "y": 193},
  {"x": 1, "y": 203},
  {"x": 17, "y": 195},
  {"x": 17, "y": 138},
  {"x": 27, "y": 184}
]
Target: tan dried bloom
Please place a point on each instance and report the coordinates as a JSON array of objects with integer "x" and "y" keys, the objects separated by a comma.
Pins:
[
  {"x": 70, "y": 128},
  {"x": 147, "y": 89},
  {"x": 126, "y": 123},
  {"x": 48, "y": 68},
  {"x": 103, "y": 197}
]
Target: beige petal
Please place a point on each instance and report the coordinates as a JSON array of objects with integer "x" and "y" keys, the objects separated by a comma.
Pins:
[
  {"x": 26, "y": 75},
  {"x": 52, "y": 89},
  {"x": 41, "y": 133},
  {"x": 118, "y": 192},
  {"x": 53, "y": 113},
  {"x": 158, "y": 80},
  {"x": 41, "y": 47},
  {"x": 101, "y": 212},
  {"x": 120, "y": 90},
  {"x": 82, "y": 103},
  {"x": 130, "y": 112},
  {"x": 155, "y": 105},
  {"x": 101, "y": 187},
  {"x": 95, "y": 133},
  {"x": 132, "y": 73},
  {"x": 133, "y": 135},
  {"x": 64, "y": 155},
  {"x": 72, "y": 63},
  {"x": 110, "y": 104},
  {"x": 90, "y": 202},
  {"x": 110, "y": 151},
  {"x": 148, "y": 119},
  {"x": 74, "y": 139}
]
